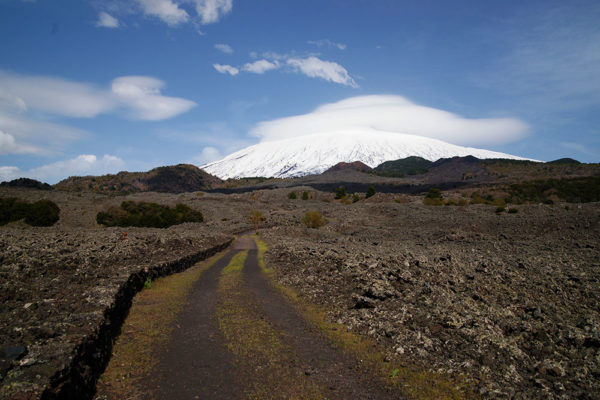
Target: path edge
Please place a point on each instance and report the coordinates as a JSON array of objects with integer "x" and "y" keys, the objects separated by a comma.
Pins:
[{"x": 78, "y": 379}]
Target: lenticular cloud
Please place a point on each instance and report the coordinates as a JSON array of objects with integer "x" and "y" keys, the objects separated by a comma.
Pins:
[{"x": 394, "y": 114}]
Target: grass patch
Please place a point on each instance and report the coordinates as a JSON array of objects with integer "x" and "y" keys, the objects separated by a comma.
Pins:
[
  {"x": 132, "y": 357},
  {"x": 255, "y": 343},
  {"x": 414, "y": 382}
]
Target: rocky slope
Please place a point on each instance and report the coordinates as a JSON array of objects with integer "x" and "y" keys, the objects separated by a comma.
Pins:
[
  {"x": 172, "y": 179},
  {"x": 510, "y": 301}
]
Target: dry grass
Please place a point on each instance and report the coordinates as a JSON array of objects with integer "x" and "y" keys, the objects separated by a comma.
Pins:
[
  {"x": 256, "y": 344},
  {"x": 142, "y": 332}
]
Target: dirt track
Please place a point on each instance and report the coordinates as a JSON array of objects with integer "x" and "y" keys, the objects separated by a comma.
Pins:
[{"x": 238, "y": 337}]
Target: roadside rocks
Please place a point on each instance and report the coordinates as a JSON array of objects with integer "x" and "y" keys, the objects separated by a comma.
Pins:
[
  {"x": 63, "y": 292},
  {"x": 510, "y": 302}
]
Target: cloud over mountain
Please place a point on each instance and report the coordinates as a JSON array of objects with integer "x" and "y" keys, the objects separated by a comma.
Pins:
[{"x": 397, "y": 114}]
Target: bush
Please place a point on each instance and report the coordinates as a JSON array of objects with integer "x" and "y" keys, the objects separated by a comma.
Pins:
[
  {"x": 148, "y": 215},
  {"x": 40, "y": 213},
  {"x": 313, "y": 219},
  {"x": 256, "y": 217},
  {"x": 513, "y": 210},
  {"x": 370, "y": 192},
  {"x": 340, "y": 192},
  {"x": 434, "y": 193},
  {"x": 292, "y": 196},
  {"x": 571, "y": 190},
  {"x": 355, "y": 197},
  {"x": 304, "y": 195},
  {"x": 434, "y": 197}
]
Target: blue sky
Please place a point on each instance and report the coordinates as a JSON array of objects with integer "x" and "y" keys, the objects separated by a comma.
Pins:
[{"x": 93, "y": 87}]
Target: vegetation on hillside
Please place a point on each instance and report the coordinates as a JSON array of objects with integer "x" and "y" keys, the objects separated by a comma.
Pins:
[
  {"x": 313, "y": 219},
  {"x": 572, "y": 190},
  {"x": 27, "y": 183},
  {"x": 403, "y": 167},
  {"x": 149, "y": 215},
  {"x": 171, "y": 179},
  {"x": 39, "y": 213}
]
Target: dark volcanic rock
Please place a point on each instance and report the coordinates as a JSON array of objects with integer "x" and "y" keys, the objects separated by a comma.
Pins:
[
  {"x": 27, "y": 183},
  {"x": 344, "y": 166},
  {"x": 173, "y": 179},
  {"x": 509, "y": 301}
]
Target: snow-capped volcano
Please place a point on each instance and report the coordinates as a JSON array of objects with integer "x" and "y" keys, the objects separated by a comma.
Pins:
[{"x": 313, "y": 154}]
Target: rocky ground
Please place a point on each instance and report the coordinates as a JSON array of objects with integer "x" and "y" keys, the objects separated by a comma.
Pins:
[
  {"x": 58, "y": 283},
  {"x": 510, "y": 300}
]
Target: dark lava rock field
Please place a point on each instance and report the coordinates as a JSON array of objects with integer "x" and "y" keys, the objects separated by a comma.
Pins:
[{"x": 509, "y": 301}]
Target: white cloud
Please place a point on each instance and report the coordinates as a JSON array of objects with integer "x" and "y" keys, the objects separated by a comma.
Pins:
[
  {"x": 9, "y": 145},
  {"x": 56, "y": 95},
  {"x": 316, "y": 68},
  {"x": 166, "y": 10},
  {"x": 394, "y": 114},
  {"x": 85, "y": 164},
  {"x": 225, "y": 48},
  {"x": 260, "y": 66},
  {"x": 48, "y": 137},
  {"x": 141, "y": 95},
  {"x": 226, "y": 69},
  {"x": 312, "y": 67},
  {"x": 327, "y": 42},
  {"x": 138, "y": 96},
  {"x": 210, "y": 11},
  {"x": 208, "y": 154},
  {"x": 105, "y": 20}
]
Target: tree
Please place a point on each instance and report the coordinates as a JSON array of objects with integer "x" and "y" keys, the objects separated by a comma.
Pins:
[
  {"x": 292, "y": 196},
  {"x": 305, "y": 195},
  {"x": 370, "y": 191},
  {"x": 340, "y": 192}
]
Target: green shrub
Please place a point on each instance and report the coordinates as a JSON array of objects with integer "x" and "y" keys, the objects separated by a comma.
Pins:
[
  {"x": 40, "y": 213},
  {"x": 148, "y": 215},
  {"x": 340, "y": 192},
  {"x": 434, "y": 197},
  {"x": 355, "y": 197},
  {"x": 571, "y": 190},
  {"x": 370, "y": 192},
  {"x": 292, "y": 196},
  {"x": 304, "y": 195},
  {"x": 434, "y": 193},
  {"x": 499, "y": 210},
  {"x": 313, "y": 219},
  {"x": 513, "y": 210}
]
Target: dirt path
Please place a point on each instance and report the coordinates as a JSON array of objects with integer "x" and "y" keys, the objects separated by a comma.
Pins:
[{"x": 237, "y": 337}]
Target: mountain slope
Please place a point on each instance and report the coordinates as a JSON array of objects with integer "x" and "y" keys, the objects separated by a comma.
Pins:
[
  {"x": 172, "y": 179},
  {"x": 313, "y": 154}
]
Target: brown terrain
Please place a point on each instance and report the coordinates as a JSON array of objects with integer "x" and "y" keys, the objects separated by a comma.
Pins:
[{"x": 506, "y": 303}]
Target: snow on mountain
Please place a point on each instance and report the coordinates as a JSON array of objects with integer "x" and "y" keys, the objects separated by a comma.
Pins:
[{"x": 313, "y": 154}]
